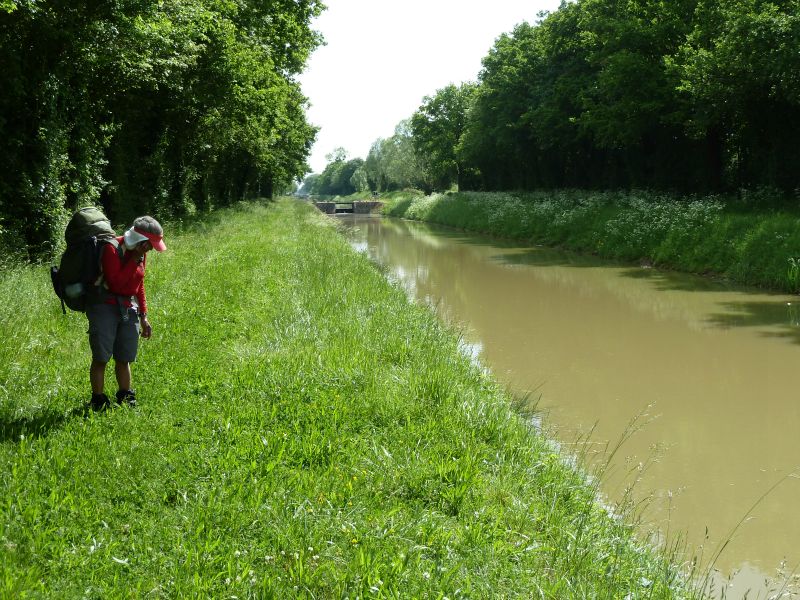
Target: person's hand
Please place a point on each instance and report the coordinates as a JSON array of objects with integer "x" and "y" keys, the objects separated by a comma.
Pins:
[{"x": 146, "y": 330}]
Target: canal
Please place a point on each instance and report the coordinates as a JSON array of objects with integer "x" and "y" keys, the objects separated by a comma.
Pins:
[{"x": 700, "y": 379}]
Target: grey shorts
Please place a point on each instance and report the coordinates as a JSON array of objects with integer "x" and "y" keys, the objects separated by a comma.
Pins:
[{"x": 110, "y": 336}]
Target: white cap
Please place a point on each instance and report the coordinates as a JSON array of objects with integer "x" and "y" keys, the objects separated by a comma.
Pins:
[{"x": 133, "y": 237}]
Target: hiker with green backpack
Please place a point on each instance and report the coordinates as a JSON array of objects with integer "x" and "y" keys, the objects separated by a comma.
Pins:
[
  {"x": 102, "y": 274},
  {"x": 116, "y": 321}
]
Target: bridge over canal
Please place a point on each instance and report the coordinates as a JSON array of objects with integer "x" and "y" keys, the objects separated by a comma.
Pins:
[{"x": 357, "y": 207}]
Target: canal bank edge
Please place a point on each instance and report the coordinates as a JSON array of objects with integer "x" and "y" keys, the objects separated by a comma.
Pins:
[
  {"x": 678, "y": 583},
  {"x": 694, "y": 235}
]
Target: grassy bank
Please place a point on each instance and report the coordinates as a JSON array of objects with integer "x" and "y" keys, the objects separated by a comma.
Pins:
[
  {"x": 703, "y": 235},
  {"x": 303, "y": 431}
]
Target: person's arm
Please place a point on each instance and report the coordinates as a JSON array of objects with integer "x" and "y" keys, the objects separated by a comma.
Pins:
[
  {"x": 141, "y": 298},
  {"x": 147, "y": 329}
]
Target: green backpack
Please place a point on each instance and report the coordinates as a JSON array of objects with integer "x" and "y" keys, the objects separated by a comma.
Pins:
[{"x": 77, "y": 280}]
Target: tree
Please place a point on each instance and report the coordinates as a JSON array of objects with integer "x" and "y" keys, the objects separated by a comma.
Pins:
[
  {"x": 360, "y": 180},
  {"x": 393, "y": 164},
  {"x": 738, "y": 68},
  {"x": 499, "y": 142},
  {"x": 400, "y": 165},
  {"x": 437, "y": 127},
  {"x": 308, "y": 185},
  {"x": 338, "y": 154},
  {"x": 374, "y": 167},
  {"x": 632, "y": 110},
  {"x": 147, "y": 107},
  {"x": 336, "y": 178}
]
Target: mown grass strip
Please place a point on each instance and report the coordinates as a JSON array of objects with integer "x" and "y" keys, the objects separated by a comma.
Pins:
[
  {"x": 303, "y": 431},
  {"x": 728, "y": 238}
]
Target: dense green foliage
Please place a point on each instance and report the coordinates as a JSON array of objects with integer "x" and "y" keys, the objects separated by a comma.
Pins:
[
  {"x": 700, "y": 235},
  {"x": 339, "y": 177},
  {"x": 392, "y": 164},
  {"x": 689, "y": 96},
  {"x": 146, "y": 106},
  {"x": 303, "y": 431},
  {"x": 437, "y": 128}
]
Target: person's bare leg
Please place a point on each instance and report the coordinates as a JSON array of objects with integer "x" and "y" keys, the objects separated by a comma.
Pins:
[
  {"x": 97, "y": 376},
  {"x": 125, "y": 393},
  {"x": 123, "y": 373}
]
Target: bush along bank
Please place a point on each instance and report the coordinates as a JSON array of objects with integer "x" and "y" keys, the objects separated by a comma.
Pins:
[
  {"x": 696, "y": 235},
  {"x": 303, "y": 431}
]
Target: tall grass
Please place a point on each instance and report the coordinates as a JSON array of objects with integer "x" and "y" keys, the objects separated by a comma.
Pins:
[
  {"x": 303, "y": 431},
  {"x": 699, "y": 235},
  {"x": 793, "y": 274}
]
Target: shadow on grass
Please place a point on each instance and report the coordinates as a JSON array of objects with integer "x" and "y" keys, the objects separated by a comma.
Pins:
[{"x": 38, "y": 425}]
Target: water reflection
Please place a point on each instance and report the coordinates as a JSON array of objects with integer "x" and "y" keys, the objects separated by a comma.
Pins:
[{"x": 600, "y": 343}]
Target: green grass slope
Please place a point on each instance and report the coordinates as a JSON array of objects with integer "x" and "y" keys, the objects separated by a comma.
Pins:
[{"x": 303, "y": 431}]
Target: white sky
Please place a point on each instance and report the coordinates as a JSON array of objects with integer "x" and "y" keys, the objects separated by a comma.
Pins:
[{"x": 383, "y": 56}]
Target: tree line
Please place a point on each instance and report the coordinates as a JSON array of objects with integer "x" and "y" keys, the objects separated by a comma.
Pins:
[
  {"x": 691, "y": 96},
  {"x": 164, "y": 107}
]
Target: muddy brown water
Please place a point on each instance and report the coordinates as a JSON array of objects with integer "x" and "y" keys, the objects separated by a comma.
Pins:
[{"x": 711, "y": 371}]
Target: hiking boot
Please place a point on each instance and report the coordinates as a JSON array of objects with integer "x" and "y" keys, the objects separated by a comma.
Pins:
[
  {"x": 99, "y": 402},
  {"x": 128, "y": 397}
]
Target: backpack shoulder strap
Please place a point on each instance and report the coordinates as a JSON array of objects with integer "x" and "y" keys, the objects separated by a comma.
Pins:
[
  {"x": 100, "y": 281},
  {"x": 118, "y": 247}
]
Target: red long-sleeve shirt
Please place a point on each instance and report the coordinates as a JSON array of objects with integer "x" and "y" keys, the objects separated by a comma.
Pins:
[{"x": 124, "y": 276}]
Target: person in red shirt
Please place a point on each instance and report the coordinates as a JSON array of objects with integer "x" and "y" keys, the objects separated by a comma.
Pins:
[{"x": 120, "y": 315}]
